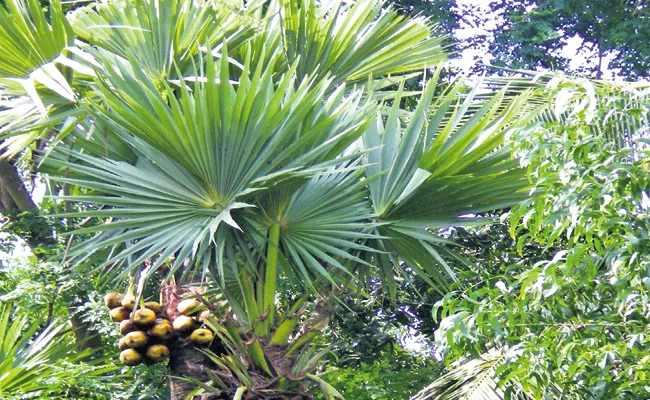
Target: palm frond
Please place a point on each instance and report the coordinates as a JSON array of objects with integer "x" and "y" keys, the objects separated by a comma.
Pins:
[
  {"x": 206, "y": 153},
  {"x": 626, "y": 128},
  {"x": 34, "y": 91},
  {"x": 474, "y": 380},
  {"x": 28, "y": 40},
  {"x": 444, "y": 167},
  {"x": 478, "y": 379},
  {"x": 322, "y": 222},
  {"x": 355, "y": 41},
  {"x": 160, "y": 35}
]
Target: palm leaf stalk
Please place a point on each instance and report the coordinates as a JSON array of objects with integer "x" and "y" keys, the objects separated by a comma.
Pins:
[{"x": 254, "y": 363}]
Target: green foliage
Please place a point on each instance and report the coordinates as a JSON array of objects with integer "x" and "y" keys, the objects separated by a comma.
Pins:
[
  {"x": 34, "y": 287},
  {"x": 578, "y": 318},
  {"x": 442, "y": 12},
  {"x": 37, "y": 360},
  {"x": 395, "y": 375},
  {"x": 43, "y": 292},
  {"x": 379, "y": 348},
  {"x": 34, "y": 229}
]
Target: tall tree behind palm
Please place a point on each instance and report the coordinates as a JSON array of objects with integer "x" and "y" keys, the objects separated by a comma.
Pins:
[{"x": 257, "y": 151}]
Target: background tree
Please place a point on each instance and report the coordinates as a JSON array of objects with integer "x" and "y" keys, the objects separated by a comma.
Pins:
[
  {"x": 530, "y": 35},
  {"x": 577, "y": 317},
  {"x": 443, "y": 12}
]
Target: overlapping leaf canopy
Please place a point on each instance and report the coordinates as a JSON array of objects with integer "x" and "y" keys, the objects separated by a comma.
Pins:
[
  {"x": 30, "y": 353},
  {"x": 194, "y": 128}
]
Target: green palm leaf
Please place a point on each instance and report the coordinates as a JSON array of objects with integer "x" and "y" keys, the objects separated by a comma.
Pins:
[
  {"x": 473, "y": 380},
  {"x": 206, "y": 154},
  {"x": 35, "y": 93},
  {"x": 444, "y": 167},
  {"x": 478, "y": 379},
  {"x": 28, "y": 40},
  {"x": 160, "y": 35},
  {"x": 353, "y": 42},
  {"x": 322, "y": 222}
]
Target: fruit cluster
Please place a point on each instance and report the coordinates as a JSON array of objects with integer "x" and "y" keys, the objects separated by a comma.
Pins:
[{"x": 147, "y": 330}]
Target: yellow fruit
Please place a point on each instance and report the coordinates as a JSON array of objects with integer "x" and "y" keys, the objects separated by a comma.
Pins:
[
  {"x": 136, "y": 339},
  {"x": 127, "y": 326},
  {"x": 183, "y": 323},
  {"x": 128, "y": 301},
  {"x": 201, "y": 336},
  {"x": 162, "y": 330},
  {"x": 144, "y": 317},
  {"x": 153, "y": 306},
  {"x": 113, "y": 300},
  {"x": 122, "y": 345},
  {"x": 189, "y": 306},
  {"x": 130, "y": 357},
  {"x": 158, "y": 352},
  {"x": 120, "y": 314}
]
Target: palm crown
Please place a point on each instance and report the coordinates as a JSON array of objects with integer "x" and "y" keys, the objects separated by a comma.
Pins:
[{"x": 261, "y": 142}]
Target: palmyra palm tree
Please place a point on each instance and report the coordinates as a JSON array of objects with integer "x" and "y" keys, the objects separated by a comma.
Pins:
[{"x": 257, "y": 149}]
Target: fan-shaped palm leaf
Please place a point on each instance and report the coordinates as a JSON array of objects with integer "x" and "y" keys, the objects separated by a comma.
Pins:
[
  {"x": 160, "y": 35},
  {"x": 440, "y": 170},
  {"x": 32, "y": 88},
  {"x": 477, "y": 380},
  {"x": 206, "y": 153},
  {"x": 353, "y": 42},
  {"x": 28, "y": 40},
  {"x": 473, "y": 380}
]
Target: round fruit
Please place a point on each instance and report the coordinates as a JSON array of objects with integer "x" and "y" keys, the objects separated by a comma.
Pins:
[
  {"x": 183, "y": 323},
  {"x": 153, "y": 306},
  {"x": 162, "y": 330},
  {"x": 130, "y": 357},
  {"x": 120, "y": 314},
  {"x": 128, "y": 301},
  {"x": 144, "y": 317},
  {"x": 122, "y": 345},
  {"x": 189, "y": 306},
  {"x": 127, "y": 326},
  {"x": 158, "y": 352},
  {"x": 113, "y": 300},
  {"x": 136, "y": 339},
  {"x": 201, "y": 336},
  {"x": 204, "y": 315}
]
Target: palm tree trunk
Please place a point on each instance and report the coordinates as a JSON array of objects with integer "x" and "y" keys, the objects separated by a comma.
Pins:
[
  {"x": 12, "y": 183},
  {"x": 185, "y": 361}
]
